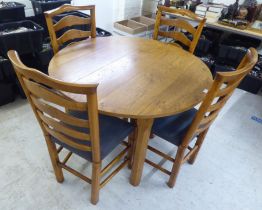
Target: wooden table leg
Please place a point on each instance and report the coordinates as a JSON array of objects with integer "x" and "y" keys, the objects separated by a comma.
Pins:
[{"x": 143, "y": 133}]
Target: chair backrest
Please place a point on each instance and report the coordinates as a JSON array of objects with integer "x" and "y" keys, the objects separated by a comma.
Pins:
[
  {"x": 69, "y": 21},
  {"x": 222, "y": 88},
  {"x": 180, "y": 24},
  {"x": 49, "y": 100}
]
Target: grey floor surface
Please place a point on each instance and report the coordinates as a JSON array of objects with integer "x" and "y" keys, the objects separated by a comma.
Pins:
[{"x": 226, "y": 176}]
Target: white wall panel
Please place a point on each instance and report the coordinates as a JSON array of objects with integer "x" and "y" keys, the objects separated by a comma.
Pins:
[{"x": 108, "y": 12}]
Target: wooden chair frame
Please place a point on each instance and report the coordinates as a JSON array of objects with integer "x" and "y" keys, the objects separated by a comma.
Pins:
[
  {"x": 40, "y": 88},
  {"x": 179, "y": 23},
  {"x": 69, "y": 21},
  {"x": 223, "y": 86}
]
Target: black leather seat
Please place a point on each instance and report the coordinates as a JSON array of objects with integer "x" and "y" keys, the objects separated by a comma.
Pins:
[
  {"x": 173, "y": 128},
  {"x": 112, "y": 132}
]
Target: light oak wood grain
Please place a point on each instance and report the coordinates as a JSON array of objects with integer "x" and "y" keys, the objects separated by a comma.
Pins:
[{"x": 137, "y": 78}]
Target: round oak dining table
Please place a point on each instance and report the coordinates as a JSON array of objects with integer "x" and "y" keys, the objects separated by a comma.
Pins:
[{"x": 138, "y": 78}]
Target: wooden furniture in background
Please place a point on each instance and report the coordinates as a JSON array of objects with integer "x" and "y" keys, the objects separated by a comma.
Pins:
[
  {"x": 249, "y": 32},
  {"x": 181, "y": 129},
  {"x": 138, "y": 78},
  {"x": 179, "y": 24},
  {"x": 79, "y": 129},
  {"x": 68, "y": 21}
]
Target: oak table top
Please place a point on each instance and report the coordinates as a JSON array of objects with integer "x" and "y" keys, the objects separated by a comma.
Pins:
[{"x": 137, "y": 78}]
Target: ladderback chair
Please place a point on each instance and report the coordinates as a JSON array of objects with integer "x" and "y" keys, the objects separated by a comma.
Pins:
[
  {"x": 179, "y": 25},
  {"x": 183, "y": 128},
  {"x": 69, "y": 21},
  {"x": 74, "y": 126}
]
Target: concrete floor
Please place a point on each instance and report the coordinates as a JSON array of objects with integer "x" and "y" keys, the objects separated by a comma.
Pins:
[{"x": 226, "y": 176}]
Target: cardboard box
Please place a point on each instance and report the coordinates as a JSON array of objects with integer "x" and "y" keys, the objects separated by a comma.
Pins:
[
  {"x": 148, "y": 22},
  {"x": 130, "y": 26}
]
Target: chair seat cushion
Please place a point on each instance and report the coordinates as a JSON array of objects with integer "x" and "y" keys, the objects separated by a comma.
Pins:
[
  {"x": 112, "y": 132},
  {"x": 173, "y": 128}
]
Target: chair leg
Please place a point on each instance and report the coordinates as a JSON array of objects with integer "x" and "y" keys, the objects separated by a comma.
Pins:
[
  {"x": 96, "y": 168},
  {"x": 130, "y": 150},
  {"x": 176, "y": 166},
  {"x": 199, "y": 143},
  {"x": 54, "y": 159},
  {"x": 131, "y": 143}
]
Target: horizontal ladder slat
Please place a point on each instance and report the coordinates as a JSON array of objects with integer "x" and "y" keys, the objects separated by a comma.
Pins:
[
  {"x": 58, "y": 114},
  {"x": 50, "y": 96},
  {"x": 212, "y": 116},
  {"x": 227, "y": 90},
  {"x": 178, "y": 36},
  {"x": 218, "y": 105},
  {"x": 73, "y": 34},
  {"x": 66, "y": 140},
  {"x": 71, "y": 20},
  {"x": 59, "y": 127},
  {"x": 179, "y": 23},
  {"x": 203, "y": 128}
]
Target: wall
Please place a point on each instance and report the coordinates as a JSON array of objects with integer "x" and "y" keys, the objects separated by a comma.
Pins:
[
  {"x": 107, "y": 12},
  {"x": 149, "y": 5},
  {"x": 104, "y": 12}
]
